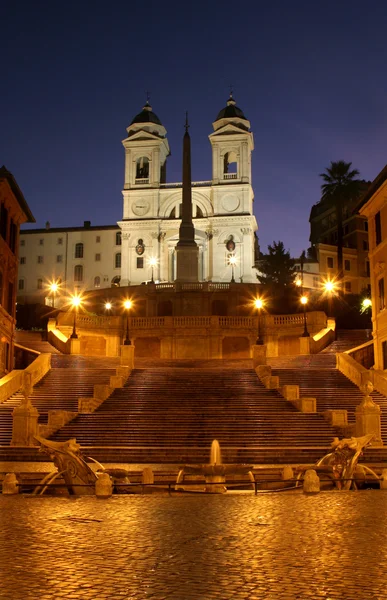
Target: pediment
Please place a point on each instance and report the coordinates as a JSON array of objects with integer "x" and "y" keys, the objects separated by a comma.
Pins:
[
  {"x": 228, "y": 129},
  {"x": 142, "y": 135}
]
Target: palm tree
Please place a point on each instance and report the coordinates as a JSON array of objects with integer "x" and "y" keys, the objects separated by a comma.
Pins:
[{"x": 339, "y": 187}]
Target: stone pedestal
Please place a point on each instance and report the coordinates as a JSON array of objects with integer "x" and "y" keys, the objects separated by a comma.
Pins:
[
  {"x": 148, "y": 476},
  {"x": 304, "y": 345},
  {"x": 24, "y": 425},
  {"x": 259, "y": 355},
  {"x": 368, "y": 417},
  {"x": 290, "y": 392},
  {"x": 127, "y": 356},
  {"x": 287, "y": 473},
  {"x": 75, "y": 346}
]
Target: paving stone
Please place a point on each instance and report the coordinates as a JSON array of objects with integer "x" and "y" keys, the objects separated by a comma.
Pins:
[{"x": 276, "y": 547}]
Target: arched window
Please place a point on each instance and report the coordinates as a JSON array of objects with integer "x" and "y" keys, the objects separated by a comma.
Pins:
[
  {"x": 117, "y": 261},
  {"x": 78, "y": 273},
  {"x": 230, "y": 165},
  {"x": 97, "y": 281},
  {"x": 142, "y": 168},
  {"x": 79, "y": 250},
  {"x": 21, "y": 285},
  {"x": 199, "y": 212},
  {"x": 173, "y": 213},
  {"x": 118, "y": 238},
  {"x": 116, "y": 281}
]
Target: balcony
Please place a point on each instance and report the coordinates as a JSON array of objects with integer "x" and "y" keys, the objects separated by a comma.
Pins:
[{"x": 230, "y": 175}]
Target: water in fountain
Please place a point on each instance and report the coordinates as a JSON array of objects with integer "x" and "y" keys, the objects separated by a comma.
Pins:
[{"x": 215, "y": 454}]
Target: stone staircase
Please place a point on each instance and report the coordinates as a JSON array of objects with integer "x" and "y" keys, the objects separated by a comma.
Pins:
[
  {"x": 34, "y": 341},
  {"x": 347, "y": 339},
  {"x": 69, "y": 378},
  {"x": 172, "y": 414}
]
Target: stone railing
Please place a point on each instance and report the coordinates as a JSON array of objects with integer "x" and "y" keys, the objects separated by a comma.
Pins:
[
  {"x": 363, "y": 354},
  {"x": 352, "y": 369},
  {"x": 13, "y": 381}
]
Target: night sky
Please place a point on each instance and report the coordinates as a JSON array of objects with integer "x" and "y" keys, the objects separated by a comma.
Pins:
[{"x": 310, "y": 77}]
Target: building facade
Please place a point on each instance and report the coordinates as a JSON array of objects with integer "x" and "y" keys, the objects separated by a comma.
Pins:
[
  {"x": 222, "y": 208},
  {"x": 76, "y": 258},
  {"x": 323, "y": 238},
  {"x": 14, "y": 211},
  {"x": 373, "y": 207}
]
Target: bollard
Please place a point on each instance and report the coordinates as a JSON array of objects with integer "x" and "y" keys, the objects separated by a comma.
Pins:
[
  {"x": 103, "y": 486},
  {"x": 287, "y": 473},
  {"x": 311, "y": 482},
  {"x": 10, "y": 484},
  {"x": 383, "y": 480}
]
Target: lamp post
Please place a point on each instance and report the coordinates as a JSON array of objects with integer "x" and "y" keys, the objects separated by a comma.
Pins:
[
  {"x": 54, "y": 287},
  {"x": 232, "y": 261},
  {"x": 108, "y": 306},
  {"x": 304, "y": 302},
  {"x": 259, "y": 305},
  {"x": 152, "y": 264},
  {"x": 75, "y": 301},
  {"x": 127, "y": 307}
]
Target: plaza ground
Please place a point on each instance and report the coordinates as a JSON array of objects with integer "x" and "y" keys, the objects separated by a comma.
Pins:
[{"x": 274, "y": 546}]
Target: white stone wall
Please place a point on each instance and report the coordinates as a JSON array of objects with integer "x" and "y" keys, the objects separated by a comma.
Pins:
[{"x": 46, "y": 244}]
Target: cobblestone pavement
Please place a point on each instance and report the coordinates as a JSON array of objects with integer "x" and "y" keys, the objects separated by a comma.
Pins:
[{"x": 274, "y": 546}]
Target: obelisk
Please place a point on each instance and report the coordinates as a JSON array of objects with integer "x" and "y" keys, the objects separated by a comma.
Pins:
[{"x": 187, "y": 251}]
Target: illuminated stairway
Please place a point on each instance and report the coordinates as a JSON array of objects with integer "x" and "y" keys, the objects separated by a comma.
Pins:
[
  {"x": 69, "y": 378},
  {"x": 171, "y": 415}
]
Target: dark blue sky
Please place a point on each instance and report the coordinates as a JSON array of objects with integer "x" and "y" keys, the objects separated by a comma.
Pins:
[{"x": 310, "y": 76}]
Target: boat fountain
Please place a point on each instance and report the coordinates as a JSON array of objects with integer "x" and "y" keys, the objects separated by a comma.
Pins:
[{"x": 214, "y": 473}]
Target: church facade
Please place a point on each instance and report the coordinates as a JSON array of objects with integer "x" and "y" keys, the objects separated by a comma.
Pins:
[{"x": 223, "y": 216}]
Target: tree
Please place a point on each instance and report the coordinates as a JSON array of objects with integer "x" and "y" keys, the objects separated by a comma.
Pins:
[
  {"x": 276, "y": 268},
  {"x": 339, "y": 187}
]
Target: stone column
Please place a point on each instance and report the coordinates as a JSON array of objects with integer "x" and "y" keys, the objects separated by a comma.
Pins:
[{"x": 368, "y": 416}]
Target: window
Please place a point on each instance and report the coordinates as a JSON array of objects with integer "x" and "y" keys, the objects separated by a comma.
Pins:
[
  {"x": 22, "y": 242},
  {"x": 347, "y": 265},
  {"x": 41, "y": 242},
  {"x": 378, "y": 228},
  {"x": 140, "y": 262},
  {"x": 13, "y": 236},
  {"x": 348, "y": 286},
  {"x": 142, "y": 168},
  {"x": 98, "y": 239},
  {"x": 59, "y": 241},
  {"x": 330, "y": 262},
  {"x": 59, "y": 258},
  {"x": 98, "y": 257},
  {"x": 230, "y": 165},
  {"x": 11, "y": 302},
  {"x": 79, "y": 250},
  {"x": 365, "y": 245},
  {"x": 381, "y": 293},
  {"x": 117, "y": 261},
  {"x": 40, "y": 284},
  {"x": 78, "y": 273},
  {"x": 97, "y": 281},
  {"x": 384, "y": 353},
  {"x": 118, "y": 238},
  {"x": 3, "y": 222},
  {"x": 21, "y": 285},
  {"x": 365, "y": 225},
  {"x": 40, "y": 260},
  {"x": 315, "y": 281},
  {"x": 22, "y": 260}
]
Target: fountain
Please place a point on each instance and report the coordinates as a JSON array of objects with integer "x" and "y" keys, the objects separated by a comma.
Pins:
[{"x": 214, "y": 473}]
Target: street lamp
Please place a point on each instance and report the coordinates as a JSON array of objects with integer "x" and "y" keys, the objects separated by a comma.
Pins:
[
  {"x": 304, "y": 302},
  {"x": 127, "y": 307},
  {"x": 259, "y": 305},
  {"x": 108, "y": 306},
  {"x": 232, "y": 261},
  {"x": 76, "y": 302},
  {"x": 152, "y": 264},
  {"x": 53, "y": 287}
]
